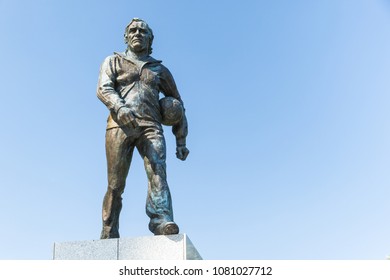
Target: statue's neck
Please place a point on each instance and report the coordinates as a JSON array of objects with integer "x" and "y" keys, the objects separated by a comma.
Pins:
[{"x": 140, "y": 56}]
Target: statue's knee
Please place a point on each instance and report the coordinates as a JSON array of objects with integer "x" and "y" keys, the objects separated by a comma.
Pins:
[
  {"x": 159, "y": 167},
  {"x": 116, "y": 188},
  {"x": 155, "y": 167},
  {"x": 159, "y": 177}
]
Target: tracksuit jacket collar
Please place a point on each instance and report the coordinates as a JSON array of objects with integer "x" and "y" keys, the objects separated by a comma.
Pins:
[{"x": 148, "y": 59}]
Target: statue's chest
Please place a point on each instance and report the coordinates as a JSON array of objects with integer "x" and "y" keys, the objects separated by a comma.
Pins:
[{"x": 147, "y": 74}]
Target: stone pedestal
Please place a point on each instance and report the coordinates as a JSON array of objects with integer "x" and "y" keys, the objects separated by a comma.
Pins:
[{"x": 161, "y": 247}]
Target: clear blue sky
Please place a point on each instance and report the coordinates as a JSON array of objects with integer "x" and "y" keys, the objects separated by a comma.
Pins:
[{"x": 288, "y": 110}]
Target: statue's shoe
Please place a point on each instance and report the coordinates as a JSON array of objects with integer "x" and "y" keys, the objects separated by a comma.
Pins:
[
  {"x": 170, "y": 228},
  {"x": 167, "y": 228}
]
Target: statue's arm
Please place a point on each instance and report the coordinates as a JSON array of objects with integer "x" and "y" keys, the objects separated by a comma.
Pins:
[
  {"x": 106, "y": 86},
  {"x": 110, "y": 97},
  {"x": 180, "y": 130}
]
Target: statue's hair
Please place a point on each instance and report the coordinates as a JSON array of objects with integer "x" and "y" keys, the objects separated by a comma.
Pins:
[{"x": 150, "y": 31}]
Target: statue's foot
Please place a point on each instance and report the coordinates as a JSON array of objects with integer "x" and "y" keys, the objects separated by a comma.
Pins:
[
  {"x": 167, "y": 228},
  {"x": 170, "y": 228}
]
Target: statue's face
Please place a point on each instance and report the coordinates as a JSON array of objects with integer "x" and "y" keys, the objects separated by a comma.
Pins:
[{"x": 138, "y": 36}]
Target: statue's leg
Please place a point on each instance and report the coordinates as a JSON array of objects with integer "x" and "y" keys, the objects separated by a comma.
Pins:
[
  {"x": 151, "y": 146},
  {"x": 119, "y": 152}
]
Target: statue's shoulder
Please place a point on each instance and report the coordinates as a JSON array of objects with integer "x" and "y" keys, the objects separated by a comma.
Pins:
[
  {"x": 153, "y": 60},
  {"x": 117, "y": 54},
  {"x": 109, "y": 59}
]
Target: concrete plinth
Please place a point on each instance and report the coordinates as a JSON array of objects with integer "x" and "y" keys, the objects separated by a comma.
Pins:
[{"x": 161, "y": 247}]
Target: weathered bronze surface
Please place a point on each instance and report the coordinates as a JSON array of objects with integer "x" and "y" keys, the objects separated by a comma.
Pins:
[{"x": 129, "y": 85}]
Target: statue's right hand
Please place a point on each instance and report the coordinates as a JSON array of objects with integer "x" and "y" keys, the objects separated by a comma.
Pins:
[{"x": 125, "y": 117}]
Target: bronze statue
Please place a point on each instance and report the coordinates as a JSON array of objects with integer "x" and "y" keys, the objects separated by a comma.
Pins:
[{"x": 129, "y": 85}]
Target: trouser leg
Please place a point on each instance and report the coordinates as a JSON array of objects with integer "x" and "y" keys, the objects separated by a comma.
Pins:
[
  {"x": 158, "y": 203},
  {"x": 119, "y": 153}
]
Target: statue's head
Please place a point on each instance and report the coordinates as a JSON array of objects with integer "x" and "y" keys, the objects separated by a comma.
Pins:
[{"x": 139, "y": 36}]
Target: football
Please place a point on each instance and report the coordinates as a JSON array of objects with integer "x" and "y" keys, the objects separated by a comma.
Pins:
[{"x": 171, "y": 111}]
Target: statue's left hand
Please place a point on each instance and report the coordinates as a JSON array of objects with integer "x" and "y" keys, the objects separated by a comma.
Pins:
[{"x": 182, "y": 152}]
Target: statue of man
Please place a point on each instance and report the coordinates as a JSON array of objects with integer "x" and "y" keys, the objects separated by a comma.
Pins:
[{"x": 129, "y": 85}]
